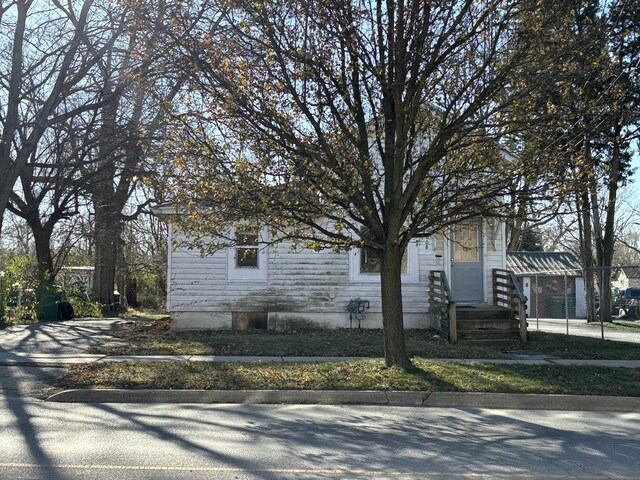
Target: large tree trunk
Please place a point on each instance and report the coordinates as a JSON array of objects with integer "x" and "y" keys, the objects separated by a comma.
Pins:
[
  {"x": 42, "y": 240},
  {"x": 132, "y": 292},
  {"x": 9, "y": 177},
  {"x": 606, "y": 235},
  {"x": 1, "y": 218},
  {"x": 586, "y": 252},
  {"x": 108, "y": 230},
  {"x": 395, "y": 351}
]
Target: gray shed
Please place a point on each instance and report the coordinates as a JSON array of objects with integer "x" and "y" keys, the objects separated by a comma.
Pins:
[{"x": 547, "y": 277}]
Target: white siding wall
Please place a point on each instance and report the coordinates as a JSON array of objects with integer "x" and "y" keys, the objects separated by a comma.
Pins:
[
  {"x": 303, "y": 285},
  {"x": 622, "y": 282}
]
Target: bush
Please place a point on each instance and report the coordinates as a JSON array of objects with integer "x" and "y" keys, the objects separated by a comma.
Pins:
[
  {"x": 19, "y": 279},
  {"x": 150, "y": 290},
  {"x": 76, "y": 295},
  {"x": 22, "y": 288}
]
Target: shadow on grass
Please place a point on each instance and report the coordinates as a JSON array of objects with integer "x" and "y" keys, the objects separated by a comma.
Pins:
[
  {"x": 361, "y": 375},
  {"x": 155, "y": 338},
  {"x": 627, "y": 324}
]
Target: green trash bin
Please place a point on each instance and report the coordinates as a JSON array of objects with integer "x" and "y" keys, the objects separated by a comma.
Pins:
[
  {"x": 50, "y": 299},
  {"x": 557, "y": 307}
]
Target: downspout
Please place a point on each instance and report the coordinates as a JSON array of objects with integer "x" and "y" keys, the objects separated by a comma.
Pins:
[{"x": 169, "y": 258}]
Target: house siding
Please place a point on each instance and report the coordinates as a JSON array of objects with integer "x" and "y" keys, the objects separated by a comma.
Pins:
[{"x": 304, "y": 288}]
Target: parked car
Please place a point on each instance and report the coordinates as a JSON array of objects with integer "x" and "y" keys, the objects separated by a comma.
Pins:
[{"x": 627, "y": 304}]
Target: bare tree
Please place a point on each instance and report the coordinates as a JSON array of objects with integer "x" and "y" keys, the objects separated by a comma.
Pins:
[
  {"x": 51, "y": 49},
  {"x": 138, "y": 85},
  {"x": 52, "y": 189},
  {"x": 591, "y": 101},
  {"x": 353, "y": 123}
]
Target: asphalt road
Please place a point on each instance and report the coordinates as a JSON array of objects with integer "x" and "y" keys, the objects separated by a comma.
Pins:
[{"x": 120, "y": 442}]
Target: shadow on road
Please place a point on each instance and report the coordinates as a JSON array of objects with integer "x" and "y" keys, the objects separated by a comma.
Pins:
[{"x": 25, "y": 424}]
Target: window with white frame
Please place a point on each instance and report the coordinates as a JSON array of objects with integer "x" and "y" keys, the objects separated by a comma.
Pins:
[
  {"x": 247, "y": 259},
  {"x": 364, "y": 265}
]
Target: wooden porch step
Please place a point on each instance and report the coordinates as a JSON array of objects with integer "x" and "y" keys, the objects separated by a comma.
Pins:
[
  {"x": 500, "y": 324},
  {"x": 490, "y": 342},
  {"x": 481, "y": 311},
  {"x": 486, "y": 325},
  {"x": 488, "y": 333}
]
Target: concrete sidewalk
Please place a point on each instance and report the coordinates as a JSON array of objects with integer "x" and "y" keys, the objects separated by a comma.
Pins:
[{"x": 53, "y": 359}]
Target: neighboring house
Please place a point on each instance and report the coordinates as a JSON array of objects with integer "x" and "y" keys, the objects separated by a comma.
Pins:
[
  {"x": 256, "y": 285},
  {"x": 546, "y": 278},
  {"x": 626, "y": 277}
]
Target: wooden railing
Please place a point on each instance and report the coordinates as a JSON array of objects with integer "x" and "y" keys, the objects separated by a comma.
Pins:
[
  {"x": 441, "y": 303},
  {"x": 507, "y": 292}
]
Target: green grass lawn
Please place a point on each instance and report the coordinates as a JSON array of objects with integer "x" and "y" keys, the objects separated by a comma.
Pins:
[
  {"x": 148, "y": 337},
  {"x": 358, "y": 375},
  {"x": 152, "y": 337},
  {"x": 620, "y": 325}
]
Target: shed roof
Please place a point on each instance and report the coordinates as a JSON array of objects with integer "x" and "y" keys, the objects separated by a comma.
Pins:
[{"x": 543, "y": 263}]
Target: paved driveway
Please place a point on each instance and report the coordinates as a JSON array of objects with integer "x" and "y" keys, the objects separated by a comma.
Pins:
[
  {"x": 578, "y": 326},
  {"x": 51, "y": 338},
  {"x": 73, "y": 336}
]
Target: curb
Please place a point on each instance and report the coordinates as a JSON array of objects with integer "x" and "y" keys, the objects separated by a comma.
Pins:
[{"x": 355, "y": 397}]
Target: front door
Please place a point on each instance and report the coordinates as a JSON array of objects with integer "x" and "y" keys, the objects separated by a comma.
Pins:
[{"x": 467, "y": 283}]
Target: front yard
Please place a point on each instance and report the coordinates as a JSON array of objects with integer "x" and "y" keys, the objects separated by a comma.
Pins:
[{"x": 153, "y": 337}]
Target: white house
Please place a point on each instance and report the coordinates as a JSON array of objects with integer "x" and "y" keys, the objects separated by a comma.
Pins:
[
  {"x": 626, "y": 277},
  {"x": 255, "y": 285}
]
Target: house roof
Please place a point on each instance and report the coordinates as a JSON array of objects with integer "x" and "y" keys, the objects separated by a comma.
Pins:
[
  {"x": 164, "y": 208},
  {"x": 543, "y": 263},
  {"x": 631, "y": 272}
]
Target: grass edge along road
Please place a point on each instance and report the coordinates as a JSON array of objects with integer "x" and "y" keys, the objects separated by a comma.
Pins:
[{"x": 369, "y": 374}]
